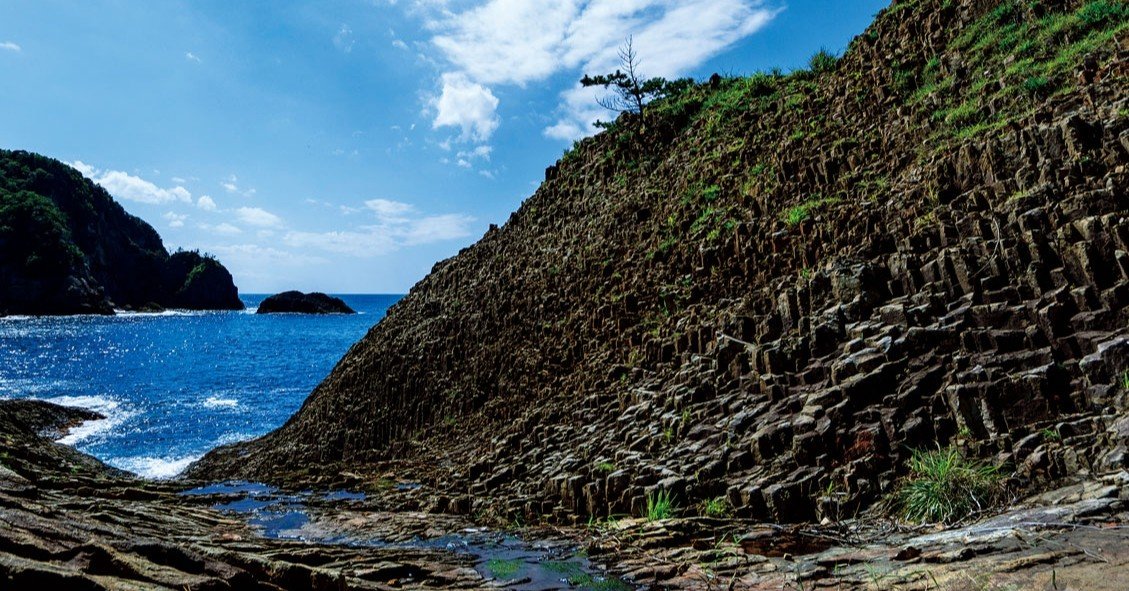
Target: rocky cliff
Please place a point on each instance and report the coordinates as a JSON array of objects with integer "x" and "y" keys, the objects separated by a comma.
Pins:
[
  {"x": 66, "y": 247},
  {"x": 772, "y": 289}
]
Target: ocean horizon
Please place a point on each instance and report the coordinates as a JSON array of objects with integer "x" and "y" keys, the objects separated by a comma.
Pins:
[{"x": 175, "y": 384}]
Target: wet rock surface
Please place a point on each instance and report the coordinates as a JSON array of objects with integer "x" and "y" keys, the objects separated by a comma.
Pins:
[
  {"x": 68, "y": 522},
  {"x": 304, "y": 303}
]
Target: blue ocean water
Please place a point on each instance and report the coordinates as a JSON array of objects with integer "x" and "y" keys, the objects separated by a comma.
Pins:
[{"x": 177, "y": 384}]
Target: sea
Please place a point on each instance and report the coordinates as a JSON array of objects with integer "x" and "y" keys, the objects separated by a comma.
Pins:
[{"x": 175, "y": 384}]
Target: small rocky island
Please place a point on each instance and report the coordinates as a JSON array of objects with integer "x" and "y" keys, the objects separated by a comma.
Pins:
[{"x": 296, "y": 302}]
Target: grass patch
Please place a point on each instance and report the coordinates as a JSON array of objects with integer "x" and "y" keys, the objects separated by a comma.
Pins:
[
  {"x": 945, "y": 487},
  {"x": 576, "y": 577},
  {"x": 715, "y": 507},
  {"x": 823, "y": 62},
  {"x": 802, "y": 212},
  {"x": 503, "y": 569},
  {"x": 1036, "y": 85},
  {"x": 660, "y": 505},
  {"x": 605, "y": 467}
]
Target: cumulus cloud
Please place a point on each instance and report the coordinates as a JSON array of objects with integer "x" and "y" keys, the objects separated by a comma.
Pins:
[
  {"x": 224, "y": 229},
  {"x": 436, "y": 228},
  {"x": 256, "y": 216},
  {"x": 192, "y": 57},
  {"x": 518, "y": 42},
  {"x": 467, "y": 158},
  {"x": 231, "y": 185},
  {"x": 389, "y": 211},
  {"x": 467, "y": 105},
  {"x": 175, "y": 220},
  {"x": 352, "y": 243},
  {"x": 262, "y": 262},
  {"x": 123, "y": 185},
  {"x": 206, "y": 203},
  {"x": 9, "y": 46},
  {"x": 397, "y": 225}
]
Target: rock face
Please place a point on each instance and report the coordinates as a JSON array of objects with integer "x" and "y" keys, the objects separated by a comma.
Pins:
[
  {"x": 304, "y": 303},
  {"x": 774, "y": 287},
  {"x": 66, "y": 247}
]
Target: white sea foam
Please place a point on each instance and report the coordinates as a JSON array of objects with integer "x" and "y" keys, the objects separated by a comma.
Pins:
[
  {"x": 133, "y": 314},
  {"x": 115, "y": 414},
  {"x": 218, "y": 402},
  {"x": 233, "y": 438},
  {"x": 152, "y": 467}
]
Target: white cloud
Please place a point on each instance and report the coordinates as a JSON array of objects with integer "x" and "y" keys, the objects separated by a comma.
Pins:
[
  {"x": 389, "y": 211},
  {"x": 518, "y": 42},
  {"x": 231, "y": 185},
  {"x": 125, "y": 186},
  {"x": 356, "y": 244},
  {"x": 192, "y": 57},
  {"x": 344, "y": 40},
  {"x": 9, "y": 46},
  {"x": 398, "y": 44},
  {"x": 175, "y": 220},
  {"x": 467, "y": 105},
  {"x": 250, "y": 259},
  {"x": 206, "y": 203},
  {"x": 397, "y": 225},
  {"x": 224, "y": 229},
  {"x": 255, "y": 216},
  {"x": 437, "y": 228}
]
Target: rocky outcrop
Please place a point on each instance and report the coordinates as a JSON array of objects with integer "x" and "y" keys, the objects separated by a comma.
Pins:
[
  {"x": 773, "y": 289},
  {"x": 69, "y": 522},
  {"x": 66, "y": 247},
  {"x": 304, "y": 303}
]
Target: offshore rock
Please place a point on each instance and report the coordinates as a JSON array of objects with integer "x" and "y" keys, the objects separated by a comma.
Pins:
[{"x": 304, "y": 303}]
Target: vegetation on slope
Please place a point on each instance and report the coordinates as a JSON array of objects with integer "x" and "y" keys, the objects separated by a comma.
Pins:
[
  {"x": 750, "y": 290},
  {"x": 67, "y": 247}
]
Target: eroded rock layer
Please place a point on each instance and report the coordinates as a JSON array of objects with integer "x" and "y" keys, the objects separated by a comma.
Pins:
[{"x": 774, "y": 288}]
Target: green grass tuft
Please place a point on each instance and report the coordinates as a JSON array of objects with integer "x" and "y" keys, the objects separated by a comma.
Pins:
[
  {"x": 715, "y": 507},
  {"x": 660, "y": 505},
  {"x": 943, "y": 486},
  {"x": 823, "y": 61},
  {"x": 1103, "y": 11}
]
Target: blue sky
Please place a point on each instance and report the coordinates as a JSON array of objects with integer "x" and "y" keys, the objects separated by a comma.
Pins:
[{"x": 347, "y": 145}]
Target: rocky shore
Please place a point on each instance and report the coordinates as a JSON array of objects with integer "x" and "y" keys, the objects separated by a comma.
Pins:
[
  {"x": 69, "y": 522},
  {"x": 707, "y": 353}
]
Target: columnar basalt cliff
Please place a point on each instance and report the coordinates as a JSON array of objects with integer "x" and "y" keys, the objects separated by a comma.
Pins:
[
  {"x": 777, "y": 286},
  {"x": 66, "y": 247}
]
